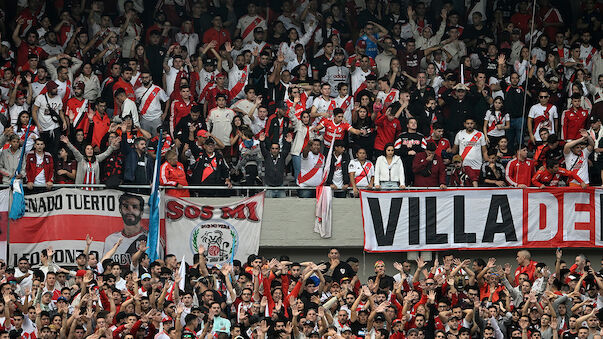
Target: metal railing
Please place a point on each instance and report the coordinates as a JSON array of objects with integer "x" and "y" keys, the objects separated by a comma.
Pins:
[{"x": 236, "y": 190}]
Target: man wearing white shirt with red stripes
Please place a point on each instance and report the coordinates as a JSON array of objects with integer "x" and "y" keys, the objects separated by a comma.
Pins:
[
  {"x": 576, "y": 154},
  {"x": 471, "y": 145},
  {"x": 150, "y": 99},
  {"x": 248, "y": 23}
]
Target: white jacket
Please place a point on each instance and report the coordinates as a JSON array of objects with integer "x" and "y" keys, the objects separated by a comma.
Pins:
[{"x": 392, "y": 172}]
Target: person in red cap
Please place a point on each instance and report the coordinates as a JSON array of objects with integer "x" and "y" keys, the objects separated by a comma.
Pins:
[
  {"x": 77, "y": 109},
  {"x": 219, "y": 88},
  {"x": 48, "y": 116}
]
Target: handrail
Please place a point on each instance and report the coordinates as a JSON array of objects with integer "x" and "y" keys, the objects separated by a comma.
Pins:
[{"x": 291, "y": 188}]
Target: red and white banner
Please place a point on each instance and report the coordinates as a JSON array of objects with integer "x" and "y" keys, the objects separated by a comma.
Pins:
[
  {"x": 488, "y": 218},
  {"x": 226, "y": 232},
  {"x": 4, "y": 199},
  {"x": 64, "y": 217}
]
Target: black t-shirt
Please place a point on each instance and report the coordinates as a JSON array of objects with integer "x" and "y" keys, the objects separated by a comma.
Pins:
[
  {"x": 343, "y": 270},
  {"x": 358, "y": 329},
  {"x": 386, "y": 282}
]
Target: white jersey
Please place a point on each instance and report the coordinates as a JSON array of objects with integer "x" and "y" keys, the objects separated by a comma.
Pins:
[
  {"x": 234, "y": 75},
  {"x": 244, "y": 25},
  {"x": 15, "y": 110},
  {"x": 153, "y": 110},
  {"x": 40, "y": 179},
  {"x": 474, "y": 141},
  {"x": 204, "y": 78},
  {"x": 578, "y": 164},
  {"x": 388, "y": 98},
  {"x": 37, "y": 88},
  {"x": 366, "y": 172},
  {"x": 44, "y": 118},
  {"x": 539, "y": 113},
  {"x": 587, "y": 54},
  {"x": 311, "y": 170},
  {"x": 358, "y": 78},
  {"x": 493, "y": 119},
  {"x": 322, "y": 105},
  {"x": 348, "y": 102},
  {"x": 245, "y": 106},
  {"x": 127, "y": 248}
]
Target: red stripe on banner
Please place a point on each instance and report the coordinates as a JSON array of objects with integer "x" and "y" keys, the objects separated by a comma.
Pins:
[
  {"x": 66, "y": 227},
  {"x": 542, "y": 219},
  {"x": 551, "y": 217},
  {"x": 3, "y": 226}
]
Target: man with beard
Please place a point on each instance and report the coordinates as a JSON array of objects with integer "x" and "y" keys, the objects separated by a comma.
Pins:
[
  {"x": 131, "y": 208},
  {"x": 150, "y": 99}
]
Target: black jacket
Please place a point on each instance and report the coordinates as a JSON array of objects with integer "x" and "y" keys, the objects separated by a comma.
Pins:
[
  {"x": 217, "y": 172},
  {"x": 273, "y": 128},
  {"x": 274, "y": 172},
  {"x": 345, "y": 162}
]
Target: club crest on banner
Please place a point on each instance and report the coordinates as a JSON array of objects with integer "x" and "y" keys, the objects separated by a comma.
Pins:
[{"x": 219, "y": 238}]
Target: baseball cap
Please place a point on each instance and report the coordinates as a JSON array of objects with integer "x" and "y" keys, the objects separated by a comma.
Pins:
[
  {"x": 346, "y": 329},
  {"x": 62, "y": 299},
  {"x": 209, "y": 61},
  {"x": 308, "y": 323},
  {"x": 202, "y": 133},
  {"x": 339, "y": 51},
  {"x": 372, "y": 77},
  {"x": 80, "y": 273},
  {"x": 361, "y": 44},
  {"x": 166, "y": 319},
  {"x": 221, "y": 75},
  {"x": 145, "y": 276},
  {"x": 461, "y": 87},
  {"x": 51, "y": 85},
  {"x": 379, "y": 317},
  {"x": 516, "y": 30},
  {"x": 457, "y": 158},
  {"x": 258, "y": 30}
]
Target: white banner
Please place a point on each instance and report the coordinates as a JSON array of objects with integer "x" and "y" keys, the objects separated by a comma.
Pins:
[
  {"x": 226, "y": 232},
  {"x": 489, "y": 218},
  {"x": 64, "y": 217}
]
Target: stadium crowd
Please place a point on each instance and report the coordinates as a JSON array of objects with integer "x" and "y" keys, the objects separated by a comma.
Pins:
[
  {"x": 279, "y": 298},
  {"x": 427, "y": 94}
]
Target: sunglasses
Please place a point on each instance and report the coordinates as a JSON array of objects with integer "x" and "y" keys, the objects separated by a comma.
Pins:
[{"x": 543, "y": 96}]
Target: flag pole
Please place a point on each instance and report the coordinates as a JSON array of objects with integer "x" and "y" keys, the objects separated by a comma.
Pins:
[{"x": 154, "y": 204}]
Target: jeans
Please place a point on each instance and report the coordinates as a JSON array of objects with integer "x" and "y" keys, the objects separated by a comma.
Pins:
[
  {"x": 275, "y": 194},
  {"x": 309, "y": 193},
  {"x": 296, "y": 161},
  {"x": 514, "y": 134},
  {"x": 51, "y": 141}
]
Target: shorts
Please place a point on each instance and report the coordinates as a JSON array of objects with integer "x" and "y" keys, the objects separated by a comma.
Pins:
[{"x": 473, "y": 174}]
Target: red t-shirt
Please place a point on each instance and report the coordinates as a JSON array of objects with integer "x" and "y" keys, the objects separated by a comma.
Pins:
[
  {"x": 333, "y": 131},
  {"x": 387, "y": 131},
  {"x": 220, "y": 37}
]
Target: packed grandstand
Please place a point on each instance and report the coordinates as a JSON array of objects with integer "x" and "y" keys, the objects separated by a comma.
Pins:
[{"x": 299, "y": 99}]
